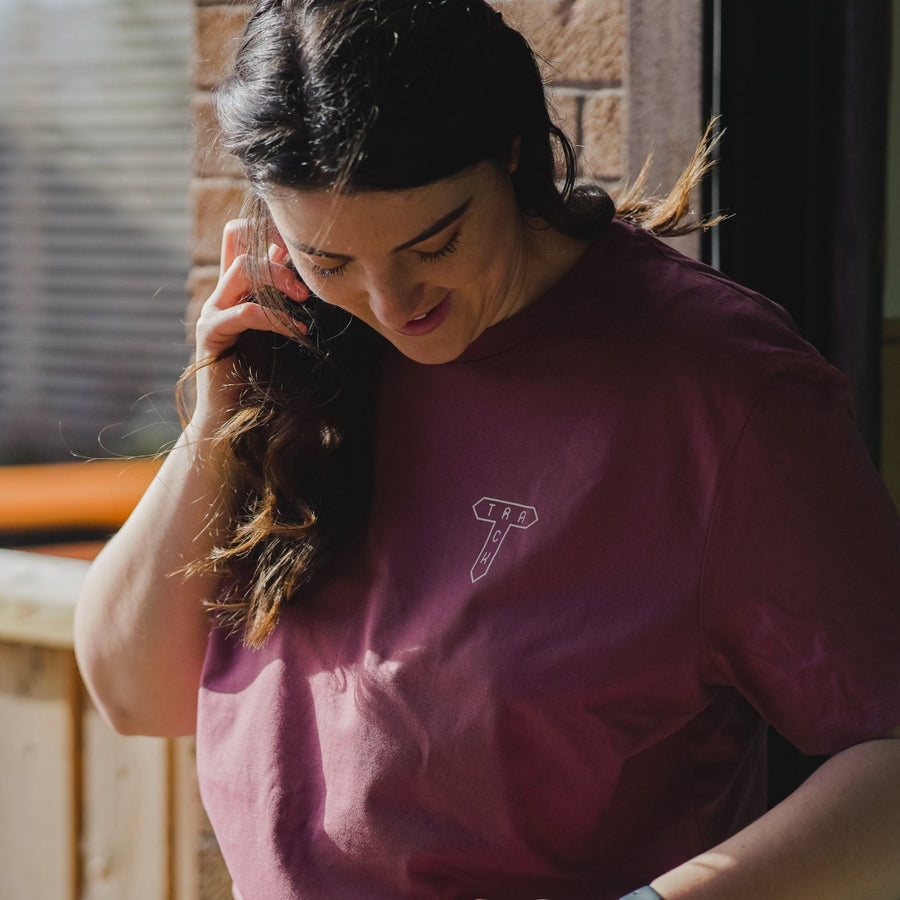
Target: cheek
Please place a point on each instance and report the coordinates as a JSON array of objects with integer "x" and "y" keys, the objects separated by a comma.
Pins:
[
  {"x": 483, "y": 253},
  {"x": 485, "y": 261},
  {"x": 327, "y": 289},
  {"x": 337, "y": 291}
]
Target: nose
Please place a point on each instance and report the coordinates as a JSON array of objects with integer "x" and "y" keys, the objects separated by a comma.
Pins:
[{"x": 395, "y": 298}]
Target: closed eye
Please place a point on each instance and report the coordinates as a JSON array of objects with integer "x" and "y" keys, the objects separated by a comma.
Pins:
[
  {"x": 424, "y": 255},
  {"x": 323, "y": 272},
  {"x": 446, "y": 250}
]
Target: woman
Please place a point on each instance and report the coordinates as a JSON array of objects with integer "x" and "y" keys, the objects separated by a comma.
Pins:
[{"x": 509, "y": 567}]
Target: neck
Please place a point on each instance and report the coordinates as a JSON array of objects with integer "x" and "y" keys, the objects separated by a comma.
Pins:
[{"x": 552, "y": 255}]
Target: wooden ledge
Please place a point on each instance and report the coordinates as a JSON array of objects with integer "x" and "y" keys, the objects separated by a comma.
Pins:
[{"x": 37, "y": 598}]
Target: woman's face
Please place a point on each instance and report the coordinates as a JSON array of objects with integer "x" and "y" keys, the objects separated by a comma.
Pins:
[{"x": 429, "y": 268}]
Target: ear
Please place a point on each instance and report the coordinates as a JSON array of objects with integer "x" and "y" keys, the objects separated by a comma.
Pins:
[{"x": 514, "y": 154}]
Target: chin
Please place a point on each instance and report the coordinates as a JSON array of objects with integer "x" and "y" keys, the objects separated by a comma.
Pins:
[
  {"x": 441, "y": 346},
  {"x": 432, "y": 352},
  {"x": 430, "y": 356}
]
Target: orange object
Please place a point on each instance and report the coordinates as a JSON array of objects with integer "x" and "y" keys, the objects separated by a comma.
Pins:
[
  {"x": 71, "y": 549},
  {"x": 98, "y": 494}
]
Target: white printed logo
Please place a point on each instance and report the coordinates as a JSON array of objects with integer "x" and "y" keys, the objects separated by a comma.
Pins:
[{"x": 503, "y": 516}]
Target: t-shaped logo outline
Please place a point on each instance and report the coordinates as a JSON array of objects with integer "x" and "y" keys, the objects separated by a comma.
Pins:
[{"x": 503, "y": 515}]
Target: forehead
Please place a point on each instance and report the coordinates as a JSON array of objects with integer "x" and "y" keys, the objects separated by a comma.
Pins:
[{"x": 343, "y": 223}]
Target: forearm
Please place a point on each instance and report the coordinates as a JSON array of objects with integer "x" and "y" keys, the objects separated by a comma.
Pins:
[
  {"x": 140, "y": 627},
  {"x": 836, "y": 838}
]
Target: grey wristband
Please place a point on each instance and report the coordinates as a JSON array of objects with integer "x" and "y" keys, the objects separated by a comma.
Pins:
[{"x": 644, "y": 893}]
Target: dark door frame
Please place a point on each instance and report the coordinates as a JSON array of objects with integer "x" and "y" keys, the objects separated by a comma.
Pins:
[{"x": 802, "y": 88}]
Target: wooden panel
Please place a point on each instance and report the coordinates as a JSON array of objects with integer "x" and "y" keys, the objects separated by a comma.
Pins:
[
  {"x": 37, "y": 598},
  {"x": 199, "y": 870},
  {"x": 39, "y": 763},
  {"x": 185, "y": 813},
  {"x": 125, "y": 817}
]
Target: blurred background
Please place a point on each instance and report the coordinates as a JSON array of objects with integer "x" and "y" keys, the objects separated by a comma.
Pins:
[
  {"x": 113, "y": 193},
  {"x": 94, "y": 225}
]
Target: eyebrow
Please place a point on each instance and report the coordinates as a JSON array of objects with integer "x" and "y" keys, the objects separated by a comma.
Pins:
[
  {"x": 435, "y": 228},
  {"x": 451, "y": 217}
]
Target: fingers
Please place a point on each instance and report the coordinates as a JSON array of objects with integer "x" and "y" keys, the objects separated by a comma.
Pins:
[
  {"x": 223, "y": 327},
  {"x": 235, "y": 242},
  {"x": 236, "y": 269},
  {"x": 228, "y": 313},
  {"x": 231, "y": 309},
  {"x": 284, "y": 278}
]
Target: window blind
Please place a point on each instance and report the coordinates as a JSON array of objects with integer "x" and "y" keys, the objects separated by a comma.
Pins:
[{"x": 94, "y": 224}]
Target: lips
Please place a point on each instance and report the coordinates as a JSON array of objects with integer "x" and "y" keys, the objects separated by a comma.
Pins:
[{"x": 427, "y": 322}]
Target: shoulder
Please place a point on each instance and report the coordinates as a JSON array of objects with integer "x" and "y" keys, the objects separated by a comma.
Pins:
[
  {"x": 633, "y": 275},
  {"x": 670, "y": 321}
]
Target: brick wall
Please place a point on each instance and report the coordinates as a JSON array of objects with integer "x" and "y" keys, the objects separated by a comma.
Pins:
[
  {"x": 584, "y": 46},
  {"x": 217, "y": 187},
  {"x": 624, "y": 80}
]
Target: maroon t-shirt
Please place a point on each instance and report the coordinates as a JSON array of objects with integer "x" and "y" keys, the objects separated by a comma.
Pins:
[{"x": 626, "y": 528}]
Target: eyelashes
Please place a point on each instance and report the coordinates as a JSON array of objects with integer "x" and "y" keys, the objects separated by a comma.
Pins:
[
  {"x": 328, "y": 273},
  {"x": 424, "y": 256},
  {"x": 446, "y": 250}
]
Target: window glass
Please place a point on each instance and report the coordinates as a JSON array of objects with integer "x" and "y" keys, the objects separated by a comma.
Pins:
[{"x": 94, "y": 233}]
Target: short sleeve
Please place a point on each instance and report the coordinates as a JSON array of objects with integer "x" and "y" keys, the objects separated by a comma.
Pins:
[{"x": 800, "y": 592}]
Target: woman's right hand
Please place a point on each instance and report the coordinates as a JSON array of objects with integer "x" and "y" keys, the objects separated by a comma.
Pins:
[{"x": 231, "y": 310}]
